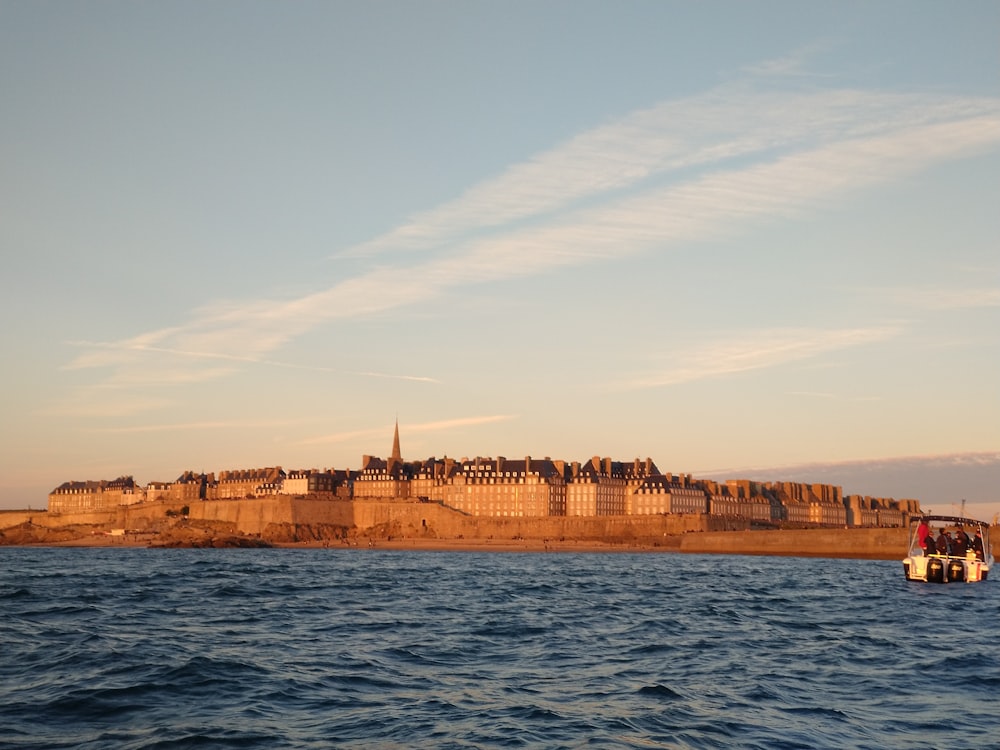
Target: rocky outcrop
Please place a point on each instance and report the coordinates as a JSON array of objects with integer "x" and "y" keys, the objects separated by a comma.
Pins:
[
  {"x": 291, "y": 533},
  {"x": 30, "y": 533},
  {"x": 206, "y": 534}
]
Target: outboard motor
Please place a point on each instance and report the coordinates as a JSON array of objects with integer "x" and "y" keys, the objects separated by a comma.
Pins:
[
  {"x": 956, "y": 571},
  {"x": 935, "y": 570}
]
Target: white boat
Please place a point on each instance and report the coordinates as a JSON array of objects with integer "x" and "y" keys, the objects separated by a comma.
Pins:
[{"x": 959, "y": 550}]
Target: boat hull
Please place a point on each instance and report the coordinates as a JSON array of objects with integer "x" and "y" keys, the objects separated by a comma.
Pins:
[
  {"x": 942, "y": 569},
  {"x": 965, "y": 559}
]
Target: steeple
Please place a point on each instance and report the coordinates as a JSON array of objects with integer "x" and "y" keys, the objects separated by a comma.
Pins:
[{"x": 396, "y": 457}]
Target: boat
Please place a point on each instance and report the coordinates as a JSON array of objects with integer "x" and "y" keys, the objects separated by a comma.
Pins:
[{"x": 950, "y": 559}]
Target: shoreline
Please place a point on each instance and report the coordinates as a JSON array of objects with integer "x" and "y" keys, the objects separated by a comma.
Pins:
[
  {"x": 873, "y": 543},
  {"x": 358, "y": 544},
  {"x": 723, "y": 543}
]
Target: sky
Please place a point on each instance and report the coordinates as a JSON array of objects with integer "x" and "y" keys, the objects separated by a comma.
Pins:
[{"x": 745, "y": 239}]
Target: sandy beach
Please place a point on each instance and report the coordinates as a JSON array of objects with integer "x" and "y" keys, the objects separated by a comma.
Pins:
[
  {"x": 417, "y": 545},
  {"x": 756, "y": 543}
]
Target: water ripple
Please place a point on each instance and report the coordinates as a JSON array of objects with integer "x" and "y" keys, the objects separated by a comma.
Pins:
[{"x": 131, "y": 648}]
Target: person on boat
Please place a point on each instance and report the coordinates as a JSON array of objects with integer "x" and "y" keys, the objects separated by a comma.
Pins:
[
  {"x": 943, "y": 543},
  {"x": 930, "y": 546},
  {"x": 923, "y": 532},
  {"x": 961, "y": 543},
  {"x": 977, "y": 546}
]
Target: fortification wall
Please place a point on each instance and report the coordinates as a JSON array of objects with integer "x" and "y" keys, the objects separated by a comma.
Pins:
[
  {"x": 55, "y": 520},
  {"x": 375, "y": 517},
  {"x": 877, "y": 544},
  {"x": 246, "y": 516},
  {"x": 11, "y": 518},
  {"x": 255, "y": 515},
  {"x": 318, "y": 512},
  {"x": 385, "y": 518},
  {"x": 302, "y": 519}
]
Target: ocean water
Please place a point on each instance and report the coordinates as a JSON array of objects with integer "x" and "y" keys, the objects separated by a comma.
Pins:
[{"x": 357, "y": 648}]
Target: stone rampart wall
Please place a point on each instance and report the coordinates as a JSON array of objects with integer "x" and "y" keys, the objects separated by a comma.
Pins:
[
  {"x": 438, "y": 521},
  {"x": 380, "y": 519},
  {"x": 878, "y": 543},
  {"x": 255, "y": 515},
  {"x": 245, "y": 516},
  {"x": 90, "y": 518},
  {"x": 10, "y": 518}
]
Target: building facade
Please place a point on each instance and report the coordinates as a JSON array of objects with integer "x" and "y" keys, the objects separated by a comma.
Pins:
[
  {"x": 502, "y": 487},
  {"x": 81, "y": 497}
]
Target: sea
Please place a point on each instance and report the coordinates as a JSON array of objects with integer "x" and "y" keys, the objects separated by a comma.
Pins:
[{"x": 369, "y": 648}]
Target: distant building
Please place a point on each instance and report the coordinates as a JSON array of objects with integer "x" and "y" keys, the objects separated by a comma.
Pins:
[
  {"x": 156, "y": 491},
  {"x": 863, "y": 510},
  {"x": 597, "y": 488},
  {"x": 516, "y": 488},
  {"x": 190, "y": 487},
  {"x": 240, "y": 483},
  {"x": 384, "y": 478},
  {"x": 505, "y": 487},
  {"x": 666, "y": 493},
  {"x": 315, "y": 482},
  {"x": 80, "y": 497}
]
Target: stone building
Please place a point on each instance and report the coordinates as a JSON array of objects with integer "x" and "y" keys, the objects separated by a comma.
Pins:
[
  {"x": 240, "y": 483},
  {"x": 429, "y": 478},
  {"x": 666, "y": 493},
  {"x": 863, "y": 510},
  {"x": 599, "y": 487},
  {"x": 504, "y": 487},
  {"x": 721, "y": 503},
  {"x": 741, "y": 499},
  {"x": 477, "y": 486},
  {"x": 315, "y": 482},
  {"x": 816, "y": 504},
  {"x": 384, "y": 478},
  {"x": 192, "y": 486},
  {"x": 80, "y": 497},
  {"x": 636, "y": 475},
  {"x": 156, "y": 491}
]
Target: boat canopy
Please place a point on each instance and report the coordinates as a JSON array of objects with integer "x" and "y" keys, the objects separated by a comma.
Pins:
[{"x": 956, "y": 520}]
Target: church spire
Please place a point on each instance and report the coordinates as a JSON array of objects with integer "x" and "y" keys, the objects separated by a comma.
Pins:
[{"x": 396, "y": 457}]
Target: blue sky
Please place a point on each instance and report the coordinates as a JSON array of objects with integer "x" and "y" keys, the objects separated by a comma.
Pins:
[{"x": 744, "y": 239}]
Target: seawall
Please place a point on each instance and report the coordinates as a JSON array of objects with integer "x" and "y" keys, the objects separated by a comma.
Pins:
[
  {"x": 873, "y": 544},
  {"x": 291, "y": 519}
]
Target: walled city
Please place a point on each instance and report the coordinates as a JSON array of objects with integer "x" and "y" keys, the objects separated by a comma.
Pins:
[{"x": 510, "y": 488}]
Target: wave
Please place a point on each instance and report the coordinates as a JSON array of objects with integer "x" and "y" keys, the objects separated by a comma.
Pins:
[{"x": 303, "y": 649}]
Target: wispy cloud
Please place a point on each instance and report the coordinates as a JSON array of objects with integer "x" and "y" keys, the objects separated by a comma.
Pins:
[
  {"x": 179, "y": 376},
  {"x": 232, "y": 424},
  {"x": 755, "y": 351},
  {"x": 939, "y": 479},
  {"x": 411, "y": 429},
  {"x": 89, "y": 402},
  {"x": 794, "y": 64},
  {"x": 688, "y": 170},
  {"x": 451, "y": 424},
  {"x": 968, "y": 460},
  {"x": 942, "y": 298},
  {"x": 735, "y": 123},
  {"x": 833, "y": 396}
]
